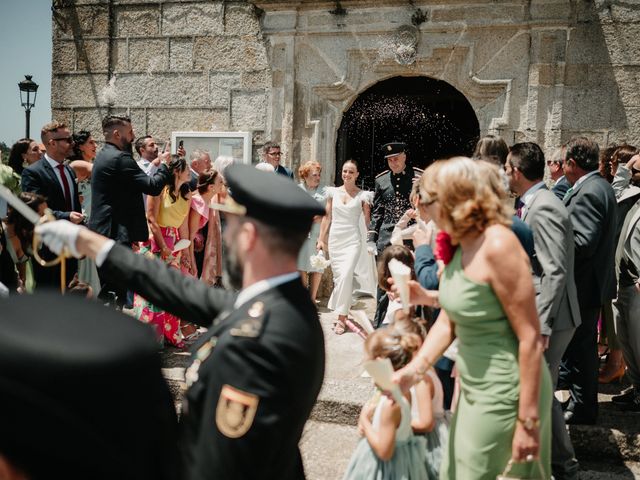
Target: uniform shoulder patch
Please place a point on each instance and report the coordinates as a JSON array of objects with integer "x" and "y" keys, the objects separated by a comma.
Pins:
[
  {"x": 236, "y": 411},
  {"x": 382, "y": 173},
  {"x": 251, "y": 326}
]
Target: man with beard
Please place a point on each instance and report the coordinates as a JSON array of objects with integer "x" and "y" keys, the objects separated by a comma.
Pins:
[
  {"x": 117, "y": 185},
  {"x": 257, "y": 372}
]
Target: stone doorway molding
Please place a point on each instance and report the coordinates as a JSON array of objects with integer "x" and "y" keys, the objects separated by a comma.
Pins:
[{"x": 490, "y": 98}]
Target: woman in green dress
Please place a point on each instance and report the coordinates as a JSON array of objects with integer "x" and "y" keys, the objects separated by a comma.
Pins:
[{"x": 488, "y": 303}]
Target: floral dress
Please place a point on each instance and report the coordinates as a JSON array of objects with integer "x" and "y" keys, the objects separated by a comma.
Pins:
[{"x": 170, "y": 217}]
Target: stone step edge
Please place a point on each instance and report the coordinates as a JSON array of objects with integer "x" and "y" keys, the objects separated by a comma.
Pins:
[{"x": 588, "y": 440}]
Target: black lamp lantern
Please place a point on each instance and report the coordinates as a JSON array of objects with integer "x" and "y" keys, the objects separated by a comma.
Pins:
[{"x": 28, "y": 92}]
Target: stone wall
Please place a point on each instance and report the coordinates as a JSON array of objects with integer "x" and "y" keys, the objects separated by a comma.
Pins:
[
  {"x": 540, "y": 70},
  {"x": 173, "y": 66}
]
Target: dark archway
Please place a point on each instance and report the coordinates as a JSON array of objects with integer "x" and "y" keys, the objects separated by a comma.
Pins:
[{"x": 433, "y": 118}]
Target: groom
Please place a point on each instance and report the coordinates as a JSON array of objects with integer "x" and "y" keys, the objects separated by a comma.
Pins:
[{"x": 390, "y": 201}]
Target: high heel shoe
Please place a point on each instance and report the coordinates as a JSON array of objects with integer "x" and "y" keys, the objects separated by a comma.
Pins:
[{"x": 612, "y": 374}]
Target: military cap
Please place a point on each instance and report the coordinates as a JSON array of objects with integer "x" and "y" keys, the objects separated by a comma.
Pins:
[
  {"x": 272, "y": 199},
  {"x": 393, "y": 148},
  {"x": 82, "y": 393}
]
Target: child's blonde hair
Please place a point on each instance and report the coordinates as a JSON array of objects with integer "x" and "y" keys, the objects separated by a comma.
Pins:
[{"x": 397, "y": 347}]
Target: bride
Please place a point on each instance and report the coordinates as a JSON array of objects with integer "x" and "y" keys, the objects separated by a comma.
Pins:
[{"x": 348, "y": 213}]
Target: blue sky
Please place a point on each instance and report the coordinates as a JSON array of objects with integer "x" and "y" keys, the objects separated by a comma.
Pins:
[{"x": 25, "y": 49}]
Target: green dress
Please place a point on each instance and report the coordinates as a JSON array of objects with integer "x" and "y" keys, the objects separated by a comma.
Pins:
[{"x": 483, "y": 424}]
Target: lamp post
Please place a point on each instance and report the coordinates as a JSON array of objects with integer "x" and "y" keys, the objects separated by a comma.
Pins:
[{"x": 28, "y": 88}]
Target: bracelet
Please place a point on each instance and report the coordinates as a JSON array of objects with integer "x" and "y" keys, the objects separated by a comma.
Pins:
[{"x": 529, "y": 423}]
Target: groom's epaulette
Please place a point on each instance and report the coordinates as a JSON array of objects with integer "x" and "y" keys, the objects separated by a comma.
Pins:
[{"x": 382, "y": 173}]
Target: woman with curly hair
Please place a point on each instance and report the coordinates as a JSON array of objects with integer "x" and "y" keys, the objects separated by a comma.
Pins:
[
  {"x": 488, "y": 303},
  {"x": 167, "y": 215}
]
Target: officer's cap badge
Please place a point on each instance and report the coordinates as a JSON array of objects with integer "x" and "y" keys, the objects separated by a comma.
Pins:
[
  {"x": 235, "y": 411},
  {"x": 389, "y": 147}
]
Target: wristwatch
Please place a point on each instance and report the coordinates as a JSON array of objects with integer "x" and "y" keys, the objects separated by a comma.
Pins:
[{"x": 529, "y": 423}]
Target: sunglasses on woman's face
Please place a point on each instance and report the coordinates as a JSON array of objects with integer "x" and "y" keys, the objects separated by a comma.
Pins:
[{"x": 634, "y": 170}]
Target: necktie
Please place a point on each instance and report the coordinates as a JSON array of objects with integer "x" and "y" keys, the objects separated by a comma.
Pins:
[
  {"x": 65, "y": 187},
  {"x": 519, "y": 205}
]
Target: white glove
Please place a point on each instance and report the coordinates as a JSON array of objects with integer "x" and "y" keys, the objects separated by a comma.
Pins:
[
  {"x": 59, "y": 235},
  {"x": 371, "y": 248}
]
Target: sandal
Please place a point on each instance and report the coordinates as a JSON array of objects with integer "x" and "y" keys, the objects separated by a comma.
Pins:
[{"x": 339, "y": 327}]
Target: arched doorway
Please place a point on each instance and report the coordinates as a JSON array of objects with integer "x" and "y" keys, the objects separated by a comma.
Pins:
[{"x": 433, "y": 118}]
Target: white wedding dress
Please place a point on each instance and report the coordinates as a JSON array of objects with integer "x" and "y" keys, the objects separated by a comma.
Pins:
[{"x": 354, "y": 269}]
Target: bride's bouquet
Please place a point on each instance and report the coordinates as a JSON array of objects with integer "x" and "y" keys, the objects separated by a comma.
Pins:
[{"x": 319, "y": 261}]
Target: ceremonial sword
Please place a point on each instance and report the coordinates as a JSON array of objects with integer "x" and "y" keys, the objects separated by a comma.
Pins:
[{"x": 33, "y": 217}]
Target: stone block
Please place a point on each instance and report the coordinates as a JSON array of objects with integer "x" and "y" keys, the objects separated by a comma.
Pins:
[
  {"x": 181, "y": 54},
  {"x": 587, "y": 45},
  {"x": 120, "y": 54},
  {"x": 241, "y": 20},
  {"x": 63, "y": 56},
  {"x": 477, "y": 14},
  {"x": 93, "y": 55},
  {"x": 166, "y": 120},
  {"x": 64, "y": 115},
  {"x": 256, "y": 79},
  {"x": 137, "y": 20},
  {"x": 586, "y": 108},
  {"x": 628, "y": 85},
  {"x": 621, "y": 43},
  {"x": 249, "y": 110},
  {"x": 192, "y": 18},
  {"x": 82, "y": 20},
  {"x": 164, "y": 89},
  {"x": 220, "y": 86},
  {"x": 550, "y": 10},
  {"x": 279, "y": 21},
  {"x": 546, "y": 74},
  {"x": 77, "y": 90},
  {"x": 148, "y": 55},
  {"x": 229, "y": 53},
  {"x": 89, "y": 119},
  {"x": 548, "y": 46},
  {"x": 576, "y": 74},
  {"x": 277, "y": 80},
  {"x": 624, "y": 13}
]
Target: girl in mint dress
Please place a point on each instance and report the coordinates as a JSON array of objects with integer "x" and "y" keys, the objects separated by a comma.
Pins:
[{"x": 381, "y": 455}]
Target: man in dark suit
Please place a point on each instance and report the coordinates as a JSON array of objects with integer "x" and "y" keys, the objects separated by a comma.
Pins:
[
  {"x": 258, "y": 370},
  {"x": 552, "y": 265},
  {"x": 390, "y": 201},
  {"x": 117, "y": 185},
  {"x": 271, "y": 154},
  {"x": 56, "y": 182},
  {"x": 592, "y": 208}
]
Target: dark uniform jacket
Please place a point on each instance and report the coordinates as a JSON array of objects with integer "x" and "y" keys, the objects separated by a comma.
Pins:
[
  {"x": 390, "y": 201},
  {"x": 117, "y": 185},
  {"x": 256, "y": 374}
]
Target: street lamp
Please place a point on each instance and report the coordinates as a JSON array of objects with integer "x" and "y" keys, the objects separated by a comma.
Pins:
[{"x": 27, "y": 88}]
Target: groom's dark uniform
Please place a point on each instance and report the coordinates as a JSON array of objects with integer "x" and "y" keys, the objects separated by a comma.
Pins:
[
  {"x": 390, "y": 201},
  {"x": 257, "y": 372}
]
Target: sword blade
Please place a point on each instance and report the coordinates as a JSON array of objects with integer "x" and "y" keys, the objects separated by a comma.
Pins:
[{"x": 22, "y": 208}]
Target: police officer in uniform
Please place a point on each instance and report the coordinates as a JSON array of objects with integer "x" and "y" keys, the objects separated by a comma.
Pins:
[
  {"x": 257, "y": 372},
  {"x": 390, "y": 201}
]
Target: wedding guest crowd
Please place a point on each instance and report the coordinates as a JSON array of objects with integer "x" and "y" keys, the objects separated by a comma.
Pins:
[{"x": 520, "y": 265}]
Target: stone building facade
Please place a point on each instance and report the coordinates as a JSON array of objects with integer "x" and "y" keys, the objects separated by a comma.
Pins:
[{"x": 539, "y": 70}]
